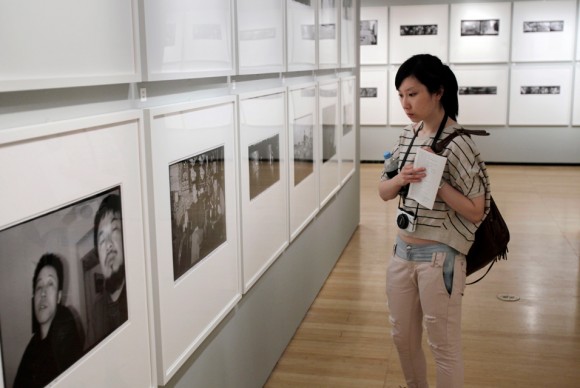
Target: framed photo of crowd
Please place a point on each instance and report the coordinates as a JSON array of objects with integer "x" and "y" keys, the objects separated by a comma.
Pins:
[
  {"x": 349, "y": 128},
  {"x": 302, "y": 156},
  {"x": 329, "y": 113},
  {"x": 72, "y": 258},
  {"x": 264, "y": 180},
  {"x": 301, "y": 22},
  {"x": 188, "y": 39},
  {"x": 193, "y": 220}
]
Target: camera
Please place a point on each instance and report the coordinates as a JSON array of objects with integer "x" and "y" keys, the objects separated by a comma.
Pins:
[{"x": 406, "y": 220}]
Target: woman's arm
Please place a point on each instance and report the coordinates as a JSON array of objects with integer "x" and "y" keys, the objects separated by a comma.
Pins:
[{"x": 470, "y": 208}]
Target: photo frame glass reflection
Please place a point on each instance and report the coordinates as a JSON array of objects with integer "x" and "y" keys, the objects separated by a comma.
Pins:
[{"x": 264, "y": 164}]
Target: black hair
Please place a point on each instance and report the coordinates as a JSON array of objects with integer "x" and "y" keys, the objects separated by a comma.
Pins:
[
  {"x": 52, "y": 260},
  {"x": 435, "y": 75},
  {"x": 110, "y": 204}
]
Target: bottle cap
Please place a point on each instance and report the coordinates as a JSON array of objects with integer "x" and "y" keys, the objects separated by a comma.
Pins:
[{"x": 387, "y": 154}]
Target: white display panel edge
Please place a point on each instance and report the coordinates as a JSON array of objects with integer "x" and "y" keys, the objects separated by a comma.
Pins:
[
  {"x": 103, "y": 152},
  {"x": 348, "y": 119},
  {"x": 348, "y": 24},
  {"x": 576, "y": 101},
  {"x": 330, "y": 168},
  {"x": 190, "y": 306},
  {"x": 304, "y": 201},
  {"x": 264, "y": 216}
]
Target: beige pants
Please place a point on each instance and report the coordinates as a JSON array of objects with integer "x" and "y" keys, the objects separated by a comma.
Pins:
[{"x": 417, "y": 294}]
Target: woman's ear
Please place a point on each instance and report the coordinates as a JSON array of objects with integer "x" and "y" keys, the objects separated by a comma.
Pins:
[{"x": 59, "y": 297}]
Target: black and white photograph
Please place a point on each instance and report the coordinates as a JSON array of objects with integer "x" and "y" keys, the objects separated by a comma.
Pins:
[
  {"x": 74, "y": 259},
  {"x": 540, "y": 89},
  {"x": 303, "y": 148},
  {"x": 544, "y": 26},
  {"x": 368, "y": 92},
  {"x": 479, "y": 27},
  {"x": 327, "y": 31},
  {"x": 328, "y": 133},
  {"x": 198, "y": 211},
  {"x": 419, "y": 29},
  {"x": 305, "y": 2},
  {"x": 264, "y": 158},
  {"x": 479, "y": 90},
  {"x": 369, "y": 32}
]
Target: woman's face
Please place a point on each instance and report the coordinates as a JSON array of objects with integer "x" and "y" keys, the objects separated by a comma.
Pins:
[
  {"x": 46, "y": 296},
  {"x": 416, "y": 100}
]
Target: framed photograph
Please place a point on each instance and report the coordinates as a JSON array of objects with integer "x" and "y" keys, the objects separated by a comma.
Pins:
[
  {"x": 483, "y": 94},
  {"x": 397, "y": 116},
  {"x": 302, "y": 156},
  {"x": 72, "y": 254},
  {"x": 63, "y": 44},
  {"x": 193, "y": 224},
  {"x": 480, "y": 33},
  {"x": 349, "y": 125},
  {"x": 373, "y": 35},
  {"x": 301, "y": 23},
  {"x": 188, "y": 39},
  {"x": 328, "y": 34},
  {"x": 329, "y": 112},
  {"x": 373, "y": 96},
  {"x": 264, "y": 181},
  {"x": 417, "y": 29},
  {"x": 260, "y": 36},
  {"x": 348, "y": 25},
  {"x": 543, "y": 31},
  {"x": 576, "y": 101},
  {"x": 540, "y": 94}
]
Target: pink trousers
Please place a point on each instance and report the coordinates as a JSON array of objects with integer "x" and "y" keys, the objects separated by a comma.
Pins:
[{"x": 417, "y": 295}]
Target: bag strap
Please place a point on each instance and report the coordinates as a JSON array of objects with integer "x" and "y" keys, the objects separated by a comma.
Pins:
[
  {"x": 438, "y": 147},
  {"x": 482, "y": 276}
]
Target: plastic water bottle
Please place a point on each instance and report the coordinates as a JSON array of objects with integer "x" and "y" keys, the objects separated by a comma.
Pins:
[{"x": 391, "y": 167}]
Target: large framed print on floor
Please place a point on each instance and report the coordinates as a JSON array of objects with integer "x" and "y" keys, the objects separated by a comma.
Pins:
[
  {"x": 348, "y": 24},
  {"x": 540, "y": 94},
  {"x": 373, "y": 96},
  {"x": 188, "y": 39},
  {"x": 192, "y": 224},
  {"x": 260, "y": 36},
  {"x": 301, "y": 22},
  {"x": 62, "y": 44},
  {"x": 482, "y": 86},
  {"x": 543, "y": 31},
  {"x": 418, "y": 29},
  {"x": 302, "y": 156},
  {"x": 576, "y": 104},
  {"x": 72, "y": 259},
  {"x": 329, "y": 118},
  {"x": 264, "y": 181},
  {"x": 373, "y": 35},
  {"x": 480, "y": 33},
  {"x": 349, "y": 128},
  {"x": 328, "y": 33},
  {"x": 397, "y": 116}
]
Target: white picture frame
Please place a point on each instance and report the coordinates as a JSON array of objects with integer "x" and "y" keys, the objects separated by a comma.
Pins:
[
  {"x": 261, "y": 38},
  {"x": 578, "y": 39},
  {"x": 349, "y": 128},
  {"x": 397, "y": 116},
  {"x": 301, "y": 46},
  {"x": 374, "y": 35},
  {"x": 303, "y": 160},
  {"x": 373, "y": 95},
  {"x": 348, "y": 26},
  {"x": 103, "y": 154},
  {"x": 540, "y": 94},
  {"x": 576, "y": 100},
  {"x": 328, "y": 34},
  {"x": 63, "y": 44},
  {"x": 202, "y": 294},
  {"x": 188, "y": 39},
  {"x": 480, "y": 33},
  {"x": 264, "y": 190},
  {"x": 329, "y": 149},
  {"x": 543, "y": 31},
  {"x": 418, "y": 29},
  {"x": 483, "y": 94}
]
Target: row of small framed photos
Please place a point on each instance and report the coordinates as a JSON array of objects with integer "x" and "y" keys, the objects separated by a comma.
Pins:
[
  {"x": 226, "y": 184},
  {"x": 175, "y": 39},
  {"x": 517, "y": 94},
  {"x": 538, "y": 31}
]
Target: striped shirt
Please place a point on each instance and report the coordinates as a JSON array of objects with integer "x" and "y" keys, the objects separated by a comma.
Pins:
[{"x": 464, "y": 170}]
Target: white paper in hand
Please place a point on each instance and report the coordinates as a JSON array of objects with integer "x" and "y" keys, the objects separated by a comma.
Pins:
[{"x": 425, "y": 191}]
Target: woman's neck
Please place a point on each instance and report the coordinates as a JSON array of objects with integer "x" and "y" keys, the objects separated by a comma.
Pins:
[{"x": 431, "y": 124}]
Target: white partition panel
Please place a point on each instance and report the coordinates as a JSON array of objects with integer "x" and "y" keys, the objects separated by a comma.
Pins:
[
  {"x": 576, "y": 100},
  {"x": 349, "y": 128},
  {"x": 301, "y": 25},
  {"x": 348, "y": 24},
  {"x": 374, "y": 34},
  {"x": 397, "y": 115},
  {"x": 373, "y": 96},
  {"x": 329, "y": 118},
  {"x": 328, "y": 34}
]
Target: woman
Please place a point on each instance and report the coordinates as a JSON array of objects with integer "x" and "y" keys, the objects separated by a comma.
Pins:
[
  {"x": 56, "y": 343},
  {"x": 426, "y": 276}
]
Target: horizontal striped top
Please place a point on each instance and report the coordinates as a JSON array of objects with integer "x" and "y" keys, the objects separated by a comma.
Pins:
[{"x": 464, "y": 170}]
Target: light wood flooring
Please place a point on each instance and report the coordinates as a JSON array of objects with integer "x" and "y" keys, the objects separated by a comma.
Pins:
[{"x": 344, "y": 339}]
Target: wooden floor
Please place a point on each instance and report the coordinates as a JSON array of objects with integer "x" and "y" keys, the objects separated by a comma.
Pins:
[{"x": 344, "y": 339}]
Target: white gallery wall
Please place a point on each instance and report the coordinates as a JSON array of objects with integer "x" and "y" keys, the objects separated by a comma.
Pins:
[
  {"x": 516, "y": 63},
  {"x": 227, "y": 134}
]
